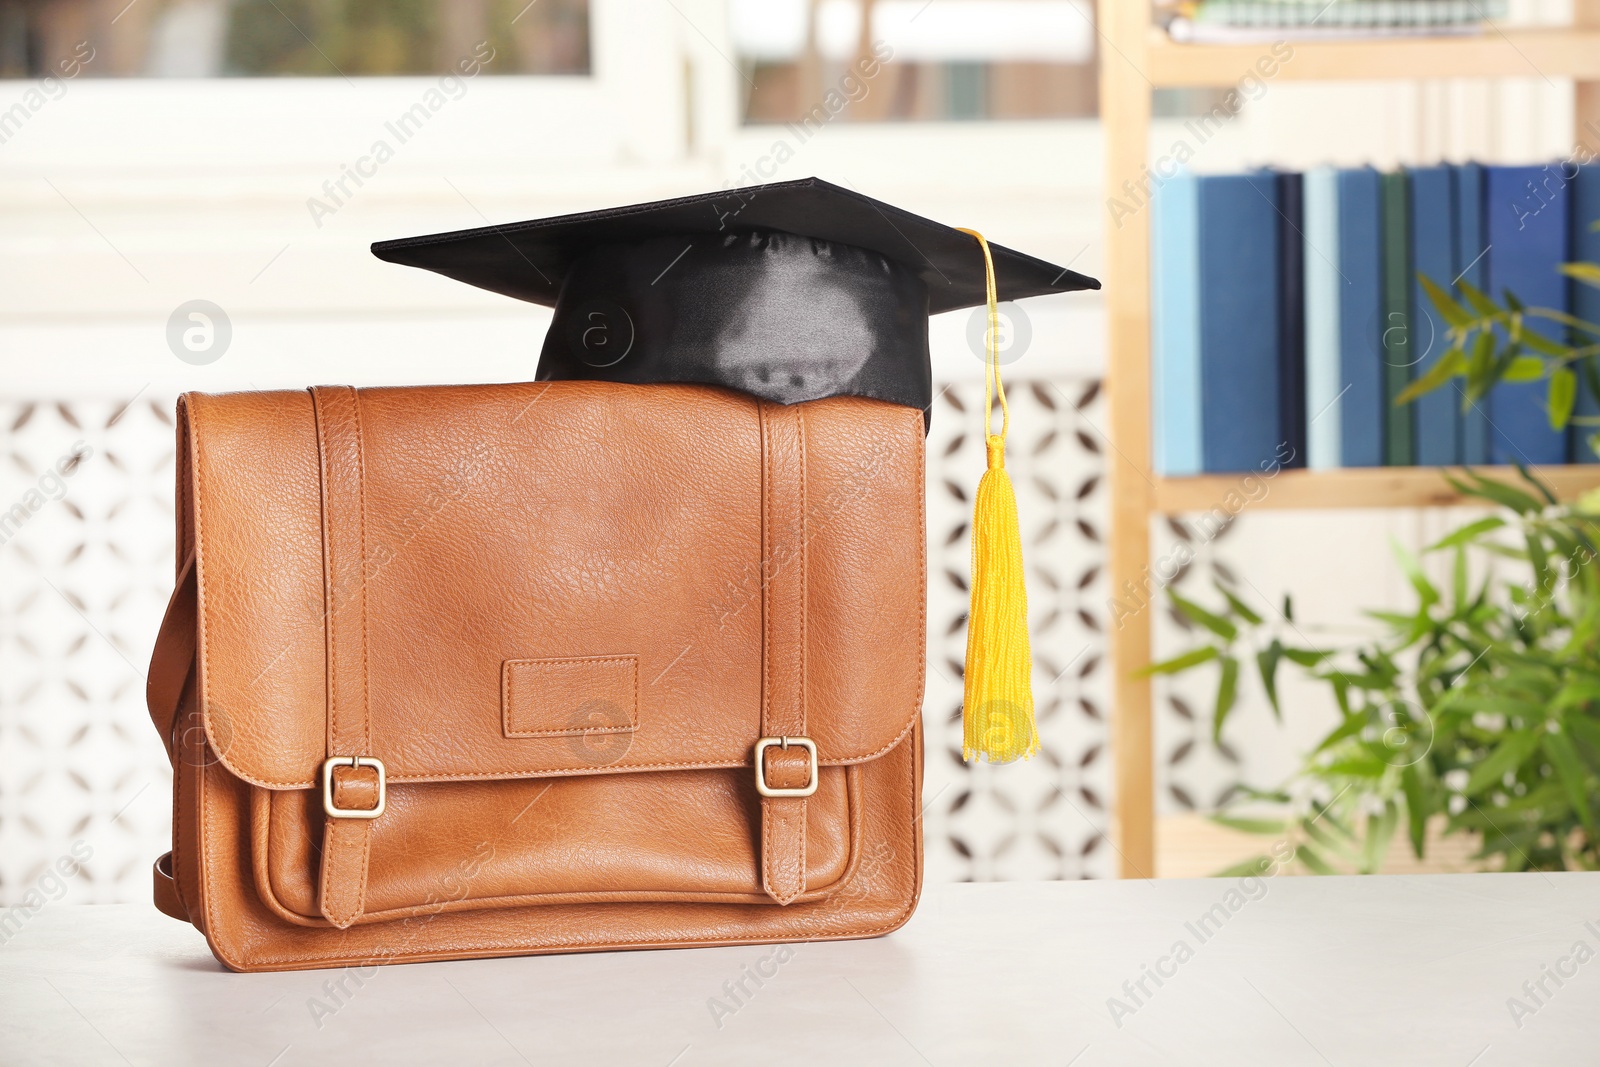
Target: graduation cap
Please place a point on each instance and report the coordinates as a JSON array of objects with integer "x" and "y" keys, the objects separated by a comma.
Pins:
[{"x": 791, "y": 291}]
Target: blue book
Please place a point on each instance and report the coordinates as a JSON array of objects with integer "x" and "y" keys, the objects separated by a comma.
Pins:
[
  {"x": 1586, "y": 305},
  {"x": 1361, "y": 364},
  {"x": 1240, "y": 390},
  {"x": 1471, "y": 252},
  {"x": 1528, "y": 222},
  {"x": 1325, "y": 387},
  {"x": 1432, "y": 216},
  {"x": 1175, "y": 327},
  {"x": 1399, "y": 365},
  {"x": 1291, "y": 319}
]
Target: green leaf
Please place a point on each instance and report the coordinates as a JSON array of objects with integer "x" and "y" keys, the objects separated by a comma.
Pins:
[
  {"x": 1178, "y": 664},
  {"x": 1250, "y": 826},
  {"x": 1585, "y": 729},
  {"x": 1497, "y": 492},
  {"x": 1507, "y": 757},
  {"x": 1449, "y": 309},
  {"x": 1528, "y": 476},
  {"x": 1480, "y": 370},
  {"x": 1326, "y": 816},
  {"x": 1227, "y": 692},
  {"x": 1569, "y": 768},
  {"x": 1267, "y": 661},
  {"x": 1469, "y": 532},
  {"x": 1416, "y": 809},
  {"x": 1363, "y": 765},
  {"x": 1249, "y": 867},
  {"x": 1524, "y": 369},
  {"x": 1563, "y": 393},
  {"x": 1306, "y": 657},
  {"x": 1195, "y": 613},
  {"x": 1380, "y": 830},
  {"x": 1577, "y": 693},
  {"x": 1460, "y": 591},
  {"x": 1350, "y": 727},
  {"x": 1444, "y": 368},
  {"x": 1587, "y": 273},
  {"x": 1478, "y": 299},
  {"x": 1419, "y": 581},
  {"x": 1240, "y": 608},
  {"x": 1312, "y": 861},
  {"x": 1561, "y": 318}
]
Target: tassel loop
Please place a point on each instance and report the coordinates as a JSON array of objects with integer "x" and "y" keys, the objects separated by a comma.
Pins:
[{"x": 997, "y": 707}]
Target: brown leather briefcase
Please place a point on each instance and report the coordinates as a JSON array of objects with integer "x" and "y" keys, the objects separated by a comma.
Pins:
[{"x": 558, "y": 666}]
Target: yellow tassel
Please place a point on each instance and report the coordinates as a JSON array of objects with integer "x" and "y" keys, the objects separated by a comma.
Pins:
[{"x": 997, "y": 707}]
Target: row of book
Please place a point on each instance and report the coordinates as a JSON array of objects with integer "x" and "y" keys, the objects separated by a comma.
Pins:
[
  {"x": 1287, "y": 310},
  {"x": 1227, "y": 21}
]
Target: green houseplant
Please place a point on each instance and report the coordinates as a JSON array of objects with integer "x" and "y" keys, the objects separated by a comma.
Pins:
[{"x": 1479, "y": 707}]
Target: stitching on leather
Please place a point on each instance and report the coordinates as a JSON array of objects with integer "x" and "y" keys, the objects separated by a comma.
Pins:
[
  {"x": 365, "y": 710},
  {"x": 509, "y": 674},
  {"x": 359, "y": 904},
  {"x": 176, "y": 751},
  {"x": 766, "y": 632},
  {"x": 799, "y": 885},
  {"x": 203, "y": 605},
  {"x": 363, "y": 830},
  {"x": 330, "y": 576},
  {"x": 330, "y": 566}
]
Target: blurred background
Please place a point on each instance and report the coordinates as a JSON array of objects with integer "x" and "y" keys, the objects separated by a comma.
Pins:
[{"x": 188, "y": 189}]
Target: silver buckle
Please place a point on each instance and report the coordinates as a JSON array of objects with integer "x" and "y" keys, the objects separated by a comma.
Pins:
[
  {"x": 761, "y": 766},
  {"x": 332, "y": 810}
]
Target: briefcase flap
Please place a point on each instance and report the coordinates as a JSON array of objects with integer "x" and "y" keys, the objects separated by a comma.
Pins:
[{"x": 549, "y": 578}]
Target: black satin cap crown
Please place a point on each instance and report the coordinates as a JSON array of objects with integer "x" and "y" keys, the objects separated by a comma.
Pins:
[
  {"x": 783, "y": 317},
  {"x": 790, "y": 291}
]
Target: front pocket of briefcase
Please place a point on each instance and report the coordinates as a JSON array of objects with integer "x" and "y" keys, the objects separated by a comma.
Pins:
[{"x": 678, "y": 836}]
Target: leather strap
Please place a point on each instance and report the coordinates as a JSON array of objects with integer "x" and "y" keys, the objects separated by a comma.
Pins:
[
  {"x": 783, "y": 620},
  {"x": 172, "y": 661},
  {"x": 166, "y": 889},
  {"x": 346, "y": 843}
]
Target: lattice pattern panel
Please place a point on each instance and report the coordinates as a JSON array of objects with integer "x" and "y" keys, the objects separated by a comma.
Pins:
[
  {"x": 1193, "y": 772},
  {"x": 85, "y": 571},
  {"x": 86, "y": 567},
  {"x": 1045, "y": 818}
]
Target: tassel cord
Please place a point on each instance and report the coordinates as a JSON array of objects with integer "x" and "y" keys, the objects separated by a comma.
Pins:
[{"x": 997, "y": 706}]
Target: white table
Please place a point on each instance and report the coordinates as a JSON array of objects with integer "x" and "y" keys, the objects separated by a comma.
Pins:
[{"x": 1316, "y": 971}]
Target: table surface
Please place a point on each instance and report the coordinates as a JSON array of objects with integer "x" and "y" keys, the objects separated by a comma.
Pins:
[{"x": 1413, "y": 970}]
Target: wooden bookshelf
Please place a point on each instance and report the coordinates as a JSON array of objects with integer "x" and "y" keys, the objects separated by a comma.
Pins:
[
  {"x": 1136, "y": 59},
  {"x": 1490, "y": 54},
  {"x": 1376, "y": 487}
]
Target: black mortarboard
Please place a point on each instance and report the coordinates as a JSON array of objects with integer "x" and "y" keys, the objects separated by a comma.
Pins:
[{"x": 790, "y": 291}]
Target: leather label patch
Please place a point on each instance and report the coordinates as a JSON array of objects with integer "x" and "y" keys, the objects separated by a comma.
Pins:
[{"x": 570, "y": 697}]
